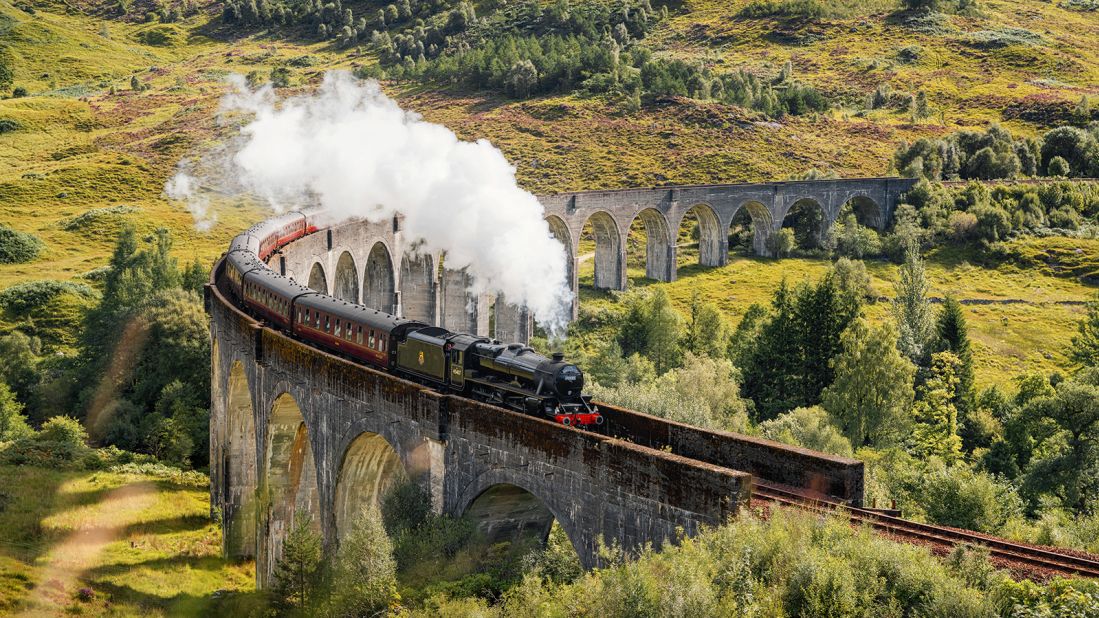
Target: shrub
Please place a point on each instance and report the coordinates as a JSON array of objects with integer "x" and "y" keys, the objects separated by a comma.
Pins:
[
  {"x": 162, "y": 35},
  {"x": 18, "y": 247},
  {"x": 107, "y": 219},
  {"x": 781, "y": 243},
  {"x": 24, "y": 297},
  {"x": 18, "y": 92},
  {"x": 1058, "y": 167},
  {"x": 807, "y": 427},
  {"x": 1002, "y": 37},
  {"x": 7, "y": 125},
  {"x": 64, "y": 430}
]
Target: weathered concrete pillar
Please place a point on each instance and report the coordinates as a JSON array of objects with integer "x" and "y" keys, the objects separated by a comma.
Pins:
[
  {"x": 418, "y": 289},
  {"x": 671, "y": 264},
  {"x": 513, "y": 323},
  {"x": 461, "y": 311}
]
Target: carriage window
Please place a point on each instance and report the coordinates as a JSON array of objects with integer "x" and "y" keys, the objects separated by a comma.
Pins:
[
  {"x": 327, "y": 324},
  {"x": 371, "y": 339},
  {"x": 381, "y": 343},
  {"x": 337, "y": 328},
  {"x": 359, "y": 336}
]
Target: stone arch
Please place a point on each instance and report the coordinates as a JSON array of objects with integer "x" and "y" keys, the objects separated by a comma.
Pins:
[
  {"x": 239, "y": 467},
  {"x": 755, "y": 218},
  {"x": 659, "y": 249},
  {"x": 370, "y": 466},
  {"x": 809, "y": 221},
  {"x": 346, "y": 284},
  {"x": 867, "y": 211},
  {"x": 504, "y": 510},
  {"x": 290, "y": 476},
  {"x": 609, "y": 269},
  {"x": 317, "y": 281},
  {"x": 710, "y": 245},
  {"x": 560, "y": 231},
  {"x": 378, "y": 284},
  {"x": 418, "y": 288}
]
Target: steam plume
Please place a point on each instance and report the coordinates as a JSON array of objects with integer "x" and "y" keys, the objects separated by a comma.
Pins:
[{"x": 359, "y": 154}]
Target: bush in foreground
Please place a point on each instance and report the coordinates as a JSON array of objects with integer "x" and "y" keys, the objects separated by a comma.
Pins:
[{"x": 794, "y": 564}]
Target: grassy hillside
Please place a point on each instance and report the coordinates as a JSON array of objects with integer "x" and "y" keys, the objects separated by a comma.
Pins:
[
  {"x": 113, "y": 543},
  {"x": 91, "y": 154}
]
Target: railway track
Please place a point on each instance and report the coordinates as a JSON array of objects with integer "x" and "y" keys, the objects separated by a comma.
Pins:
[{"x": 1007, "y": 551}]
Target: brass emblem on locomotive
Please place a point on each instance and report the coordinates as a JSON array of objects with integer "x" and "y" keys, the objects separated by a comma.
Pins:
[{"x": 421, "y": 357}]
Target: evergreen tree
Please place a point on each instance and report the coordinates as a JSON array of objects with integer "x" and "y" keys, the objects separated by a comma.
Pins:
[
  {"x": 912, "y": 310},
  {"x": 706, "y": 333},
  {"x": 936, "y": 429},
  {"x": 298, "y": 571},
  {"x": 872, "y": 393},
  {"x": 772, "y": 367},
  {"x": 821, "y": 315},
  {"x": 1085, "y": 344},
  {"x": 953, "y": 335}
]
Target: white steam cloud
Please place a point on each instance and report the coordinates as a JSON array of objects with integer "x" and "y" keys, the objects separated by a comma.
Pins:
[{"x": 355, "y": 151}]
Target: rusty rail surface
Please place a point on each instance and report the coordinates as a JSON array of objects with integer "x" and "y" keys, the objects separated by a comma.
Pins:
[{"x": 1034, "y": 557}]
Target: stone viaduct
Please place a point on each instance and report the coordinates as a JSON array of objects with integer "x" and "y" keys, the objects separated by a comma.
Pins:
[
  {"x": 297, "y": 432},
  {"x": 373, "y": 264}
]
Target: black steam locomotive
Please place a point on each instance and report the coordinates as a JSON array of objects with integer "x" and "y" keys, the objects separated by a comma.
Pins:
[{"x": 510, "y": 375}]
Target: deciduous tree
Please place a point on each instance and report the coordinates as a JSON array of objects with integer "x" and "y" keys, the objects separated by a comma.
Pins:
[{"x": 872, "y": 394}]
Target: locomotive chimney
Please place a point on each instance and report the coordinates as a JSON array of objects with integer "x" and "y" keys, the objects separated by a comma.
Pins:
[{"x": 558, "y": 357}]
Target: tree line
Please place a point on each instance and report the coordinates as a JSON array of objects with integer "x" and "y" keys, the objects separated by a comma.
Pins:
[{"x": 130, "y": 363}]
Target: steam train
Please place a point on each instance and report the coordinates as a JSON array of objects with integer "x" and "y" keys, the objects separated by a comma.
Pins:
[{"x": 510, "y": 375}]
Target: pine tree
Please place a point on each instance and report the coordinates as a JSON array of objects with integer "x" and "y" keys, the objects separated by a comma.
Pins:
[
  {"x": 297, "y": 572},
  {"x": 953, "y": 334},
  {"x": 911, "y": 309},
  {"x": 872, "y": 393},
  {"x": 821, "y": 315},
  {"x": 1085, "y": 344},
  {"x": 772, "y": 369},
  {"x": 936, "y": 429}
]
